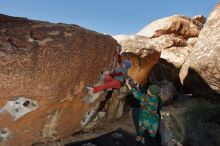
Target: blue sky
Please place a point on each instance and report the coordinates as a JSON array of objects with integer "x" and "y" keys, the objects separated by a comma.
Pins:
[{"x": 105, "y": 16}]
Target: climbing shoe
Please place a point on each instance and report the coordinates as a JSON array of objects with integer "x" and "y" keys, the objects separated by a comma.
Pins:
[
  {"x": 142, "y": 140},
  {"x": 138, "y": 138},
  {"x": 90, "y": 89}
]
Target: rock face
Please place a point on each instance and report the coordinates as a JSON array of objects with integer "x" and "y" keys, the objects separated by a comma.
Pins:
[
  {"x": 179, "y": 25},
  {"x": 202, "y": 68},
  {"x": 143, "y": 53},
  {"x": 44, "y": 70},
  {"x": 176, "y": 36},
  {"x": 170, "y": 41}
]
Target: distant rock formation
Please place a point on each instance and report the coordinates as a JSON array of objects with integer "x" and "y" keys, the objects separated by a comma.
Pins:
[
  {"x": 45, "y": 68},
  {"x": 173, "y": 37},
  {"x": 201, "y": 71},
  {"x": 176, "y": 36},
  {"x": 200, "y": 18},
  {"x": 179, "y": 25}
]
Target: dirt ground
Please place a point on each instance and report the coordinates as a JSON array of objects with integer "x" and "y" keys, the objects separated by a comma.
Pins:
[
  {"x": 124, "y": 125},
  {"x": 119, "y": 137},
  {"x": 118, "y": 133}
]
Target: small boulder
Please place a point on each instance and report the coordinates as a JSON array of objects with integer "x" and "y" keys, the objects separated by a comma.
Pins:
[
  {"x": 200, "y": 18},
  {"x": 168, "y": 91}
]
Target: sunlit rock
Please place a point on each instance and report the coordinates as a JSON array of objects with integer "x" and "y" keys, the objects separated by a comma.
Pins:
[{"x": 201, "y": 71}]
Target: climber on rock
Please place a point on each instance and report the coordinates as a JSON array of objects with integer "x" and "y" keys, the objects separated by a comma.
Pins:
[{"x": 115, "y": 79}]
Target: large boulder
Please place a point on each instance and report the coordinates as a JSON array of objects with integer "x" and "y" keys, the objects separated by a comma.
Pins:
[
  {"x": 177, "y": 24},
  {"x": 123, "y": 37},
  {"x": 170, "y": 40},
  {"x": 45, "y": 68},
  {"x": 201, "y": 71},
  {"x": 174, "y": 36}
]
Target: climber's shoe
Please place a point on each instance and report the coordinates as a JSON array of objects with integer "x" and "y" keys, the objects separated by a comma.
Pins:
[
  {"x": 89, "y": 88},
  {"x": 109, "y": 89},
  {"x": 138, "y": 138},
  {"x": 143, "y": 141},
  {"x": 93, "y": 89}
]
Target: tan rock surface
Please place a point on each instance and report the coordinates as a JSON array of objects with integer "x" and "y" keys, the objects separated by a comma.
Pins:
[
  {"x": 174, "y": 50},
  {"x": 174, "y": 36},
  {"x": 200, "y": 18},
  {"x": 143, "y": 53},
  {"x": 178, "y": 25},
  {"x": 202, "y": 68}
]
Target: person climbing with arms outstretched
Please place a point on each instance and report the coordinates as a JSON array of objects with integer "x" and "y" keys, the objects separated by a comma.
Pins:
[
  {"x": 149, "y": 117},
  {"x": 115, "y": 79}
]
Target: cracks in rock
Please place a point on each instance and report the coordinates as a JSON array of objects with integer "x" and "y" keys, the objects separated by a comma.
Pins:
[
  {"x": 31, "y": 38},
  {"x": 49, "y": 130},
  {"x": 139, "y": 63},
  {"x": 12, "y": 44}
]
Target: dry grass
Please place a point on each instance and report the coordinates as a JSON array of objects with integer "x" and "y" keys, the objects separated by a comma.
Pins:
[{"x": 198, "y": 124}]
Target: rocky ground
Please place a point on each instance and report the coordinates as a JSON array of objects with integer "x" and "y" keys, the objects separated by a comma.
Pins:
[
  {"x": 125, "y": 123},
  {"x": 123, "y": 128},
  {"x": 119, "y": 137}
]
